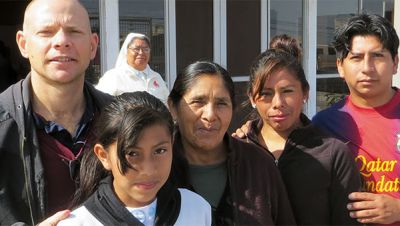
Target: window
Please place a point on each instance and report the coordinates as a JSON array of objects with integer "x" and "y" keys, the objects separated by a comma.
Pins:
[
  {"x": 243, "y": 35},
  {"x": 194, "y": 32},
  {"x": 243, "y": 45},
  {"x": 286, "y": 17},
  {"x": 244, "y": 39},
  {"x": 146, "y": 17},
  {"x": 93, "y": 72},
  {"x": 330, "y": 15}
]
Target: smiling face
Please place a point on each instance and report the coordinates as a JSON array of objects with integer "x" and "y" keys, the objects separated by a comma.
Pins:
[
  {"x": 57, "y": 40},
  {"x": 137, "y": 56},
  {"x": 204, "y": 113},
  {"x": 368, "y": 70},
  {"x": 150, "y": 159},
  {"x": 280, "y": 102}
]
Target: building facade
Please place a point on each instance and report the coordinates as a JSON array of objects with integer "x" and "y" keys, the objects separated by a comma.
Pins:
[{"x": 229, "y": 32}]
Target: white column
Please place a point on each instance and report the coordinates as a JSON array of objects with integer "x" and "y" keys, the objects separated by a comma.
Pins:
[
  {"x": 170, "y": 43},
  {"x": 396, "y": 77},
  {"x": 265, "y": 24},
  {"x": 219, "y": 13},
  {"x": 309, "y": 52},
  {"x": 109, "y": 33}
]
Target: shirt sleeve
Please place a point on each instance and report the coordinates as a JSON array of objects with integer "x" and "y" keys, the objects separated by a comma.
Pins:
[{"x": 345, "y": 179}]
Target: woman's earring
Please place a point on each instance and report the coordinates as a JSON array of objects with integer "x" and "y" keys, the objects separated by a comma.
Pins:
[
  {"x": 253, "y": 105},
  {"x": 304, "y": 101}
]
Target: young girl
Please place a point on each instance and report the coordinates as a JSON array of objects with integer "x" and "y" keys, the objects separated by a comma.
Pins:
[{"x": 124, "y": 181}]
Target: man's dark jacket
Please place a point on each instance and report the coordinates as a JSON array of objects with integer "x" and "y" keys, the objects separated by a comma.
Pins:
[{"x": 22, "y": 184}]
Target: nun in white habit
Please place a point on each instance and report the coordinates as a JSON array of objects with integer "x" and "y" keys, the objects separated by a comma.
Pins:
[{"x": 132, "y": 71}]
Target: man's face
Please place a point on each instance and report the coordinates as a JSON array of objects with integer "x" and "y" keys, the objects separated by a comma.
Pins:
[
  {"x": 57, "y": 40},
  {"x": 368, "y": 71}
]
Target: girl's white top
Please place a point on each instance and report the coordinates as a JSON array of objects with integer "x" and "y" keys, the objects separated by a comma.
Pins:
[{"x": 195, "y": 211}]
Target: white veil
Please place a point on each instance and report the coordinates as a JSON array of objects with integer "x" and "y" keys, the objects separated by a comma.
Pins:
[{"x": 121, "y": 60}]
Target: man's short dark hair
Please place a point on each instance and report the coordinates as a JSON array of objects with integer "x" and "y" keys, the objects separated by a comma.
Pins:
[{"x": 364, "y": 25}]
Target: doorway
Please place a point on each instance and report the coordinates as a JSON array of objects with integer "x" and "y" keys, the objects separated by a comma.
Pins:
[{"x": 13, "y": 66}]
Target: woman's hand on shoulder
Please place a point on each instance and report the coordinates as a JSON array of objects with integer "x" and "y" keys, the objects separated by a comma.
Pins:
[{"x": 242, "y": 131}]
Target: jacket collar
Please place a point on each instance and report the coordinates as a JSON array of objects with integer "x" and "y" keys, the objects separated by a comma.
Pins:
[
  {"x": 108, "y": 209},
  {"x": 295, "y": 136}
]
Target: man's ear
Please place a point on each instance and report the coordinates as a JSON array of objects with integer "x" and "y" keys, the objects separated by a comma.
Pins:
[
  {"x": 340, "y": 68},
  {"x": 21, "y": 42},
  {"x": 395, "y": 64},
  {"x": 102, "y": 155},
  {"x": 94, "y": 42},
  {"x": 305, "y": 97}
]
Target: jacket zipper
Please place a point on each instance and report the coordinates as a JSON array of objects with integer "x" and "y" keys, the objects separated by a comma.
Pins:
[{"x": 27, "y": 187}]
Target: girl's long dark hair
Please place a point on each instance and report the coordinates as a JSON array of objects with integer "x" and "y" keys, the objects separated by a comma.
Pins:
[{"x": 123, "y": 121}]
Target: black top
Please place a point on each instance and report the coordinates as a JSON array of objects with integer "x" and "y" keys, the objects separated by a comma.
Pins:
[
  {"x": 318, "y": 172},
  {"x": 254, "y": 194},
  {"x": 109, "y": 210}
]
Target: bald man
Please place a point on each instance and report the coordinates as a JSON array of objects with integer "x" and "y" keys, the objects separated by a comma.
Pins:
[{"x": 46, "y": 119}]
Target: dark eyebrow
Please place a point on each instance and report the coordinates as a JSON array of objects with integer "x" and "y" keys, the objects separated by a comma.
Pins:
[
  {"x": 225, "y": 99},
  {"x": 283, "y": 87},
  {"x": 288, "y": 86},
  {"x": 198, "y": 97},
  {"x": 354, "y": 53},
  {"x": 266, "y": 89},
  {"x": 377, "y": 51},
  {"x": 163, "y": 142}
]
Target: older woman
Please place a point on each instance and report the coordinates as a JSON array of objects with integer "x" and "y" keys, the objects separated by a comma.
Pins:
[
  {"x": 238, "y": 179},
  {"x": 132, "y": 71}
]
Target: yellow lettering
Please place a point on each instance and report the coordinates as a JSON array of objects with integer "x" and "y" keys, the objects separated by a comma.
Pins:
[
  {"x": 378, "y": 166},
  {"x": 368, "y": 167},
  {"x": 371, "y": 166},
  {"x": 388, "y": 186},
  {"x": 384, "y": 167},
  {"x": 392, "y": 164},
  {"x": 383, "y": 185},
  {"x": 396, "y": 185},
  {"x": 370, "y": 186},
  {"x": 361, "y": 159},
  {"x": 380, "y": 184}
]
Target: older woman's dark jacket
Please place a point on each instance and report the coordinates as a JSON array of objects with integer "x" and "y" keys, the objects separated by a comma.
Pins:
[{"x": 254, "y": 193}]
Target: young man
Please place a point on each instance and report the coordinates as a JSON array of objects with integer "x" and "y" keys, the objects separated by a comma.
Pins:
[
  {"x": 46, "y": 119},
  {"x": 368, "y": 120}
]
